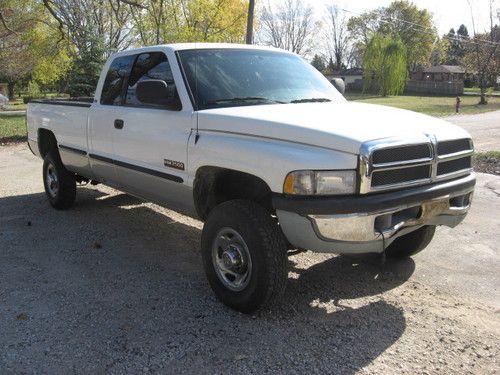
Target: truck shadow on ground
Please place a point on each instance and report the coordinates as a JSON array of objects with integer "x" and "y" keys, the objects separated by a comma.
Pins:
[{"x": 140, "y": 299}]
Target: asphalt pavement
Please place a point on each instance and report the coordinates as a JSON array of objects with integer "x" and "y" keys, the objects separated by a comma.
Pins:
[{"x": 483, "y": 127}]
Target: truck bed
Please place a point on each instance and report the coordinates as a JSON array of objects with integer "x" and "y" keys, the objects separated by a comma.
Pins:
[
  {"x": 68, "y": 118},
  {"x": 78, "y": 102}
]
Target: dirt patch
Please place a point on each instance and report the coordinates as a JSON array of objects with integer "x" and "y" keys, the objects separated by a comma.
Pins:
[
  {"x": 6, "y": 141},
  {"x": 487, "y": 162}
]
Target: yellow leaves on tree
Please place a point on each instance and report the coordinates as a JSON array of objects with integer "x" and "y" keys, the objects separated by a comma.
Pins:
[
  {"x": 52, "y": 59},
  {"x": 30, "y": 44},
  {"x": 173, "y": 21}
]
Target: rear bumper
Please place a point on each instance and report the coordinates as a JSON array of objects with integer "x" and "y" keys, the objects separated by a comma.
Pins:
[{"x": 361, "y": 224}]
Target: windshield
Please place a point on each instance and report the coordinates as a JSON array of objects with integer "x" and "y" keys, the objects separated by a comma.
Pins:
[{"x": 235, "y": 77}]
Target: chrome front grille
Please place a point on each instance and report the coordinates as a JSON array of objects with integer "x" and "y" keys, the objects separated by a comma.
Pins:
[
  {"x": 454, "y": 157},
  {"x": 398, "y": 163},
  {"x": 394, "y": 154},
  {"x": 455, "y": 165},
  {"x": 453, "y": 146},
  {"x": 399, "y": 176}
]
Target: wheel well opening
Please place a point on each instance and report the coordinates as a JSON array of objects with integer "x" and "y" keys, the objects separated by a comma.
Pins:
[
  {"x": 214, "y": 185},
  {"x": 46, "y": 142}
]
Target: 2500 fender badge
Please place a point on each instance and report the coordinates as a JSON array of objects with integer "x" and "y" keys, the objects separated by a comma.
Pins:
[{"x": 173, "y": 164}]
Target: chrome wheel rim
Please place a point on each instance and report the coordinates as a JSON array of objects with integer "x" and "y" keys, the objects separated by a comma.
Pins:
[
  {"x": 231, "y": 259},
  {"x": 51, "y": 180}
]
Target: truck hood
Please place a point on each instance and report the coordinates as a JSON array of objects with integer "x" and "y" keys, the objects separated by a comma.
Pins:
[{"x": 341, "y": 126}]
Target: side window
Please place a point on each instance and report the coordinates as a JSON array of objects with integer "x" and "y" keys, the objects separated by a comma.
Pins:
[
  {"x": 152, "y": 66},
  {"x": 118, "y": 71}
]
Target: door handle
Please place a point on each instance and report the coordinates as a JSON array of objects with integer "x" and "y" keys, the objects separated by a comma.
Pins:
[{"x": 118, "y": 124}]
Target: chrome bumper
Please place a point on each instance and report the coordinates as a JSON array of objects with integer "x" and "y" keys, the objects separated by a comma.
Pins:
[
  {"x": 385, "y": 224},
  {"x": 365, "y": 232}
]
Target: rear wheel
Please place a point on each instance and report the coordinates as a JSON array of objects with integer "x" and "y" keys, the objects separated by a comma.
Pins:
[
  {"x": 59, "y": 183},
  {"x": 411, "y": 243},
  {"x": 244, "y": 256}
]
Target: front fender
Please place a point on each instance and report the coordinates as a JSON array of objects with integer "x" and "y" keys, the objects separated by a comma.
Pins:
[{"x": 269, "y": 159}]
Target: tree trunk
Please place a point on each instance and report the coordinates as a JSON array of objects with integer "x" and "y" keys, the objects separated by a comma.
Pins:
[
  {"x": 482, "y": 87},
  {"x": 10, "y": 90},
  {"x": 483, "y": 100}
]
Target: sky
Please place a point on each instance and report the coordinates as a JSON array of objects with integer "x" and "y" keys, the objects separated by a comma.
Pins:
[{"x": 447, "y": 14}]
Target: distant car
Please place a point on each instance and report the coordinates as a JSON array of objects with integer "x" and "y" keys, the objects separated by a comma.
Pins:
[{"x": 3, "y": 100}]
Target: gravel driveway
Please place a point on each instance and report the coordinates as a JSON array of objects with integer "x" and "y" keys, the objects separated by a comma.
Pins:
[{"x": 116, "y": 286}]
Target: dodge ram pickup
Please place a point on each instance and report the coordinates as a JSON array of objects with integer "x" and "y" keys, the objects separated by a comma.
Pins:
[{"x": 265, "y": 151}]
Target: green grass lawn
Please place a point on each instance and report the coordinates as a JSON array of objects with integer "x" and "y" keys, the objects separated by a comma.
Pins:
[
  {"x": 431, "y": 105},
  {"x": 12, "y": 128},
  {"x": 476, "y": 90}
]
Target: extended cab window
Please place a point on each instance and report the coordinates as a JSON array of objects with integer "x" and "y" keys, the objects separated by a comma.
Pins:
[
  {"x": 113, "y": 85},
  {"x": 153, "y": 66}
]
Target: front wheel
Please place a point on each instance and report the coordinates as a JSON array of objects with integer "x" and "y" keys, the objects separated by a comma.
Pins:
[
  {"x": 244, "y": 256},
  {"x": 411, "y": 243},
  {"x": 59, "y": 183}
]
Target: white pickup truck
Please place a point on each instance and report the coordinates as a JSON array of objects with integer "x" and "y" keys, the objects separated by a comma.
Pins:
[{"x": 263, "y": 149}]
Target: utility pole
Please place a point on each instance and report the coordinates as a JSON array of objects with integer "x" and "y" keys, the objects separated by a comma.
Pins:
[{"x": 251, "y": 8}]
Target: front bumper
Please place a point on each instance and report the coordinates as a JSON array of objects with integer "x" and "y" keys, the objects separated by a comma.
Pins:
[{"x": 369, "y": 223}]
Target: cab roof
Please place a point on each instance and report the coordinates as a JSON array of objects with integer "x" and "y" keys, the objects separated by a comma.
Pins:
[{"x": 191, "y": 46}]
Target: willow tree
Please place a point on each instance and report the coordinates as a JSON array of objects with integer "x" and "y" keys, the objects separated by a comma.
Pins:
[{"x": 385, "y": 63}]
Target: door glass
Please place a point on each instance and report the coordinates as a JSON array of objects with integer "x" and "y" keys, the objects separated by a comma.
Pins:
[
  {"x": 113, "y": 85},
  {"x": 152, "y": 66}
]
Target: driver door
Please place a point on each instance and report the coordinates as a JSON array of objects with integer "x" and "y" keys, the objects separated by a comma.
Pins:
[{"x": 150, "y": 146}]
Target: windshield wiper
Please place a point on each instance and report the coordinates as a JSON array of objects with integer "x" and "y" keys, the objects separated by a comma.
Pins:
[
  {"x": 311, "y": 100},
  {"x": 243, "y": 100}
]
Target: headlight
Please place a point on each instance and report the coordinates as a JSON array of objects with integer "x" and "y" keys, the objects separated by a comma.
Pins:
[{"x": 320, "y": 183}]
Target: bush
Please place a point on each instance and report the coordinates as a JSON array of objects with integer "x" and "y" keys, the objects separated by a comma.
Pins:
[
  {"x": 28, "y": 98},
  {"x": 33, "y": 89},
  {"x": 33, "y": 92}
]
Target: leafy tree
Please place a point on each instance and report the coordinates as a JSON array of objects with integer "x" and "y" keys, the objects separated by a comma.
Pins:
[
  {"x": 440, "y": 52},
  {"x": 95, "y": 29},
  {"x": 162, "y": 21},
  {"x": 318, "y": 62},
  {"x": 456, "y": 41},
  {"x": 331, "y": 66},
  {"x": 53, "y": 59},
  {"x": 400, "y": 20},
  {"x": 363, "y": 27},
  {"x": 84, "y": 74},
  {"x": 385, "y": 62},
  {"x": 216, "y": 20},
  {"x": 81, "y": 20},
  {"x": 482, "y": 56},
  {"x": 28, "y": 46}
]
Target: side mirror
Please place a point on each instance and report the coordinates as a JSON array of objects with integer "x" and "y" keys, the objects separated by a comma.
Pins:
[
  {"x": 156, "y": 92},
  {"x": 339, "y": 84}
]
